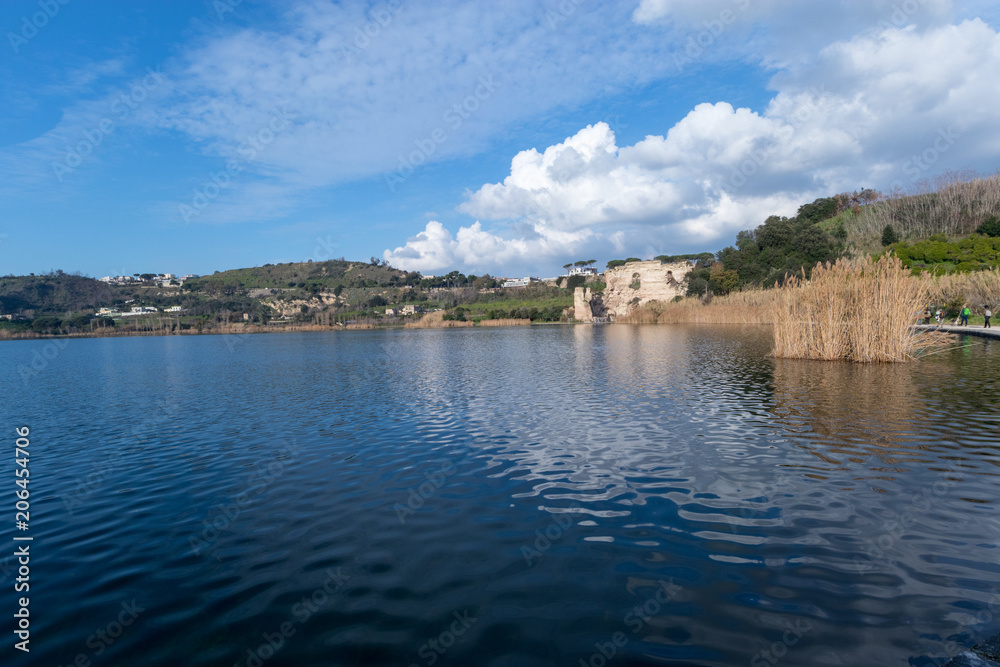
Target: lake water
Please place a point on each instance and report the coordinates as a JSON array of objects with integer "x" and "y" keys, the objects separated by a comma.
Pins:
[{"x": 552, "y": 495}]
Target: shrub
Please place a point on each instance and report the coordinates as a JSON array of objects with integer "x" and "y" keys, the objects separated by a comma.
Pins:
[
  {"x": 989, "y": 227},
  {"x": 889, "y": 236}
]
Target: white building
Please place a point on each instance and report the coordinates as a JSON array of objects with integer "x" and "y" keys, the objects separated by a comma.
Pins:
[
  {"x": 518, "y": 282},
  {"x": 583, "y": 271}
]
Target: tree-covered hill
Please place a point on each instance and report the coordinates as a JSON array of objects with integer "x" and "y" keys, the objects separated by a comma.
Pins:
[
  {"x": 765, "y": 255},
  {"x": 56, "y": 292},
  {"x": 955, "y": 206},
  {"x": 310, "y": 277}
]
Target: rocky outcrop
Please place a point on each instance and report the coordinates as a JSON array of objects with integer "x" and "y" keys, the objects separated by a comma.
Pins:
[
  {"x": 628, "y": 287},
  {"x": 637, "y": 283},
  {"x": 582, "y": 312}
]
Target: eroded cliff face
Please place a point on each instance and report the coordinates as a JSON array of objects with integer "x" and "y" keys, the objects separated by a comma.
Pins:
[{"x": 630, "y": 286}]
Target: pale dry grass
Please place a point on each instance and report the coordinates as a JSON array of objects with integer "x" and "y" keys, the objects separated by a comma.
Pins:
[
  {"x": 436, "y": 321},
  {"x": 856, "y": 310},
  {"x": 954, "y": 204},
  {"x": 506, "y": 322},
  {"x": 976, "y": 289},
  {"x": 752, "y": 306}
]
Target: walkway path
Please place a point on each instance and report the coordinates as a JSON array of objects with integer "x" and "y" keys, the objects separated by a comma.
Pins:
[{"x": 975, "y": 330}]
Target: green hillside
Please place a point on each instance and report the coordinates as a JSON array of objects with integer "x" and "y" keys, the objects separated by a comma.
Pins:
[{"x": 56, "y": 292}]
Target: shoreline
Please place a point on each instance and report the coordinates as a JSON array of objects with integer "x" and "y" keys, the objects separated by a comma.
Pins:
[{"x": 973, "y": 330}]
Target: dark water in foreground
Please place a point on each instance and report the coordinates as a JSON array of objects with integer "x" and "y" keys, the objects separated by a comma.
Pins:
[{"x": 517, "y": 497}]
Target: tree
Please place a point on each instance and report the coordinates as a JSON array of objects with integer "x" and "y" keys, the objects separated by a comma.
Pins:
[
  {"x": 567, "y": 267},
  {"x": 632, "y": 259},
  {"x": 820, "y": 209},
  {"x": 579, "y": 263},
  {"x": 615, "y": 263},
  {"x": 989, "y": 227},
  {"x": 589, "y": 262},
  {"x": 46, "y": 324},
  {"x": 889, "y": 236}
]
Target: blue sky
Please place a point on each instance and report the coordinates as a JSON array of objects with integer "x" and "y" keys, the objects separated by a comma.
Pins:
[{"x": 509, "y": 138}]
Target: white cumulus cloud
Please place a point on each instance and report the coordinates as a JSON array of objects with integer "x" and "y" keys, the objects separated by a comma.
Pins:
[{"x": 878, "y": 110}]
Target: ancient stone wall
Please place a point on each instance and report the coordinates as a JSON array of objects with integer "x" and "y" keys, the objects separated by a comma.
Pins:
[
  {"x": 582, "y": 311},
  {"x": 637, "y": 283}
]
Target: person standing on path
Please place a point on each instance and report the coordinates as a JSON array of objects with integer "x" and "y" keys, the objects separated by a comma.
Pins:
[
  {"x": 987, "y": 314},
  {"x": 965, "y": 314}
]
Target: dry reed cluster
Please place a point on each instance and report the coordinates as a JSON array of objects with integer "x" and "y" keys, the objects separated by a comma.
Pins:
[
  {"x": 751, "y": 306},
  {"x": 506, "y": 322},
  {"x": 856, "y": 310},
  {"x": 436, "y": 321}
]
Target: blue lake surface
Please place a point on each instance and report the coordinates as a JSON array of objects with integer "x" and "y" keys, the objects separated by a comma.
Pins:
[{"x": 549, "y": 495}]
